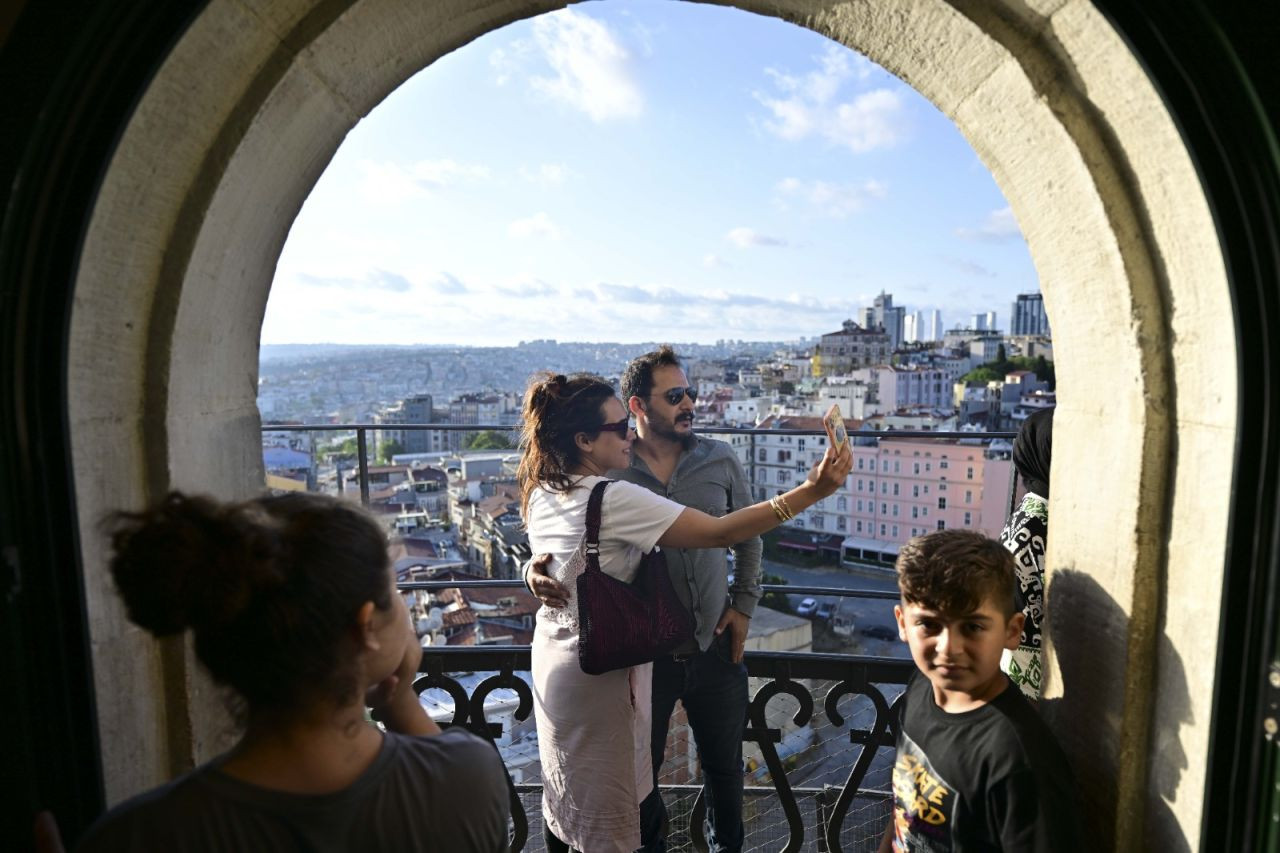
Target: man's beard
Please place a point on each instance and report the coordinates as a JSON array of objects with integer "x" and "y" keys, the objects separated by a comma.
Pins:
[{"x": 666, "y": 429}]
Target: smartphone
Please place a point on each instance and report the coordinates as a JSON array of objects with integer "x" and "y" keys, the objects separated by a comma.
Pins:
[{"x": 835, "y": 427}]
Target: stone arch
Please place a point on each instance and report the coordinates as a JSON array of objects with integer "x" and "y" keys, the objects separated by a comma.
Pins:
[{"x": 251, "y": 103}]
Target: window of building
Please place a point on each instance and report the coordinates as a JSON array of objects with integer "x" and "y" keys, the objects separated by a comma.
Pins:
[
  {"x": 884, "y": 466},
  {"x": 882, "y": 530},
  {"x": 895, "y": 490},
  {"x": 857, "y": 526},
  {"x": 897, "y": 467},
  {"x": 895, "y": 510},
  {"x": 915, "y": 491},
  {"x": 818, "y": 523},
  {"x": 842, "y": 503},
  {"x": 784, "y": 455},
  {"x": 800, "y": 444},
  {"x": 764, "y": 455},
  {"x": 860, "y": 461},
  {"x": 915, "y": 512},
  {"x": 783, "y": 476},
  {"x": 942, "y": 525},
  {"x": 859, "y": 504},
  {"x": 942, "y": 503},
  {"x": 968, "y": 496},
  {"x": 895, "y": 531},
  {"x": 942, "y": 487},
  {"x": 884, "y": 509},
  {"x": 968, "y": 519},
  {"x": 943, "y": 464},
  {"x": 924, "y": 512},
  {"x": 928, "y": 466},
  {"x": 968, "y": 474},
  {"x": 841, "y": 524},
  {"x": 915, "y": 467}
]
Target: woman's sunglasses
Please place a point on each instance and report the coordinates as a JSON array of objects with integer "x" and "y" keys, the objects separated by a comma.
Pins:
[
  {"x": 673, "y": 396},
  {"x": 621, "y": 427}
]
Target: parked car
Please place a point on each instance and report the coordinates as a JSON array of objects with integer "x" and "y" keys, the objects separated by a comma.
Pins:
[
  {"x": 879, "y": 632},
  {"x": 826, "y": 610},
  {"x": 807, "y": 607}
]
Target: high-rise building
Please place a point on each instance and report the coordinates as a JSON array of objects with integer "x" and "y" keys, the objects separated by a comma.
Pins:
[
  {"x": 984, "y": 322},
  {"x": 935, "y": 326},
  {"x": 912, "y": 328},
  {"x": 418, "y": 409},
  {"x": 882, "y": 315},
  {"x": 1028, "y": 315}
]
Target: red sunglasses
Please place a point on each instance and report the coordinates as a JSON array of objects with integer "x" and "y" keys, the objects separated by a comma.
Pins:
[{"x": 621, "y": 427}]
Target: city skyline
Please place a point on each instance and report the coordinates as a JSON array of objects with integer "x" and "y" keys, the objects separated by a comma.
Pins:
[{"x": 772, "y": 200}]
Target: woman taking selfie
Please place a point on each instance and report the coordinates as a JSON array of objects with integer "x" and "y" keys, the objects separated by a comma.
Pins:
[
  {"x": 294, "y": 607},
  {"x": 594, "y": 730}
]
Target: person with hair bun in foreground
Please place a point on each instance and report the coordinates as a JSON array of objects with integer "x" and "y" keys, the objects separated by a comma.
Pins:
[
  {"x": 294, "y": 607},
  {"x": 594, "y": 731}
]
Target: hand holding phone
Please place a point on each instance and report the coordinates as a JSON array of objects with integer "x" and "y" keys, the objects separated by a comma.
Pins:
[{"x": 834, "y": 423}]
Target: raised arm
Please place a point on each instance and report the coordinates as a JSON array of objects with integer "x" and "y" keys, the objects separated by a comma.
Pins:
[{"x": 694, "y": 529}]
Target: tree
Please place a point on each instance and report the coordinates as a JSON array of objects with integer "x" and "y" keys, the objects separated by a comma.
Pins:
[
  {"x": 1002, "y": 356},
  {"x": 388, "y": 449},
  {"x": 775, "y": 600},
  {"x": 489, "y": 440}
]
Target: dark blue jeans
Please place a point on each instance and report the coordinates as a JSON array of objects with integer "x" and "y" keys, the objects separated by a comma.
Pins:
[{"x": 713, "y": 691}]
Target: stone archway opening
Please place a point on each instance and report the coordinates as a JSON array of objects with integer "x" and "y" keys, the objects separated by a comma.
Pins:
[{"x": 250, "y": 105}]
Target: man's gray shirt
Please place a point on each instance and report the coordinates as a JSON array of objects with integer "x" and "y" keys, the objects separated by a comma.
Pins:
[{"x": 709, "y": 478}]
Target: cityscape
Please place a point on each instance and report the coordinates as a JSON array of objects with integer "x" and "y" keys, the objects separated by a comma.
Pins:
[{"x": 434, "y": 479}]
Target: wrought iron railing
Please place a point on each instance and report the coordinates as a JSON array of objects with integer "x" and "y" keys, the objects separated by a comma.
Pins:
[{"x": 815, "y": 683}]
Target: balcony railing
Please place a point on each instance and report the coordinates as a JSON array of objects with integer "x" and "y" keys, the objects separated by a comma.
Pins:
[{"x": 820, "y": 726}]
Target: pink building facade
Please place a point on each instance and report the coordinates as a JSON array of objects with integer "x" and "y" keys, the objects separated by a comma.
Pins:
[{"x": 910, "y": 486}]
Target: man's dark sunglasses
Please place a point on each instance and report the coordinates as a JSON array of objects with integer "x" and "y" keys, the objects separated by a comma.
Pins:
[
  {"x": 675, "y": 395},
  {"x": 621, "y": 427}
]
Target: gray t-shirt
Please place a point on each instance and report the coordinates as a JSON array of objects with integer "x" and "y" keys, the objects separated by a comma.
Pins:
[{"x": 446, "y": 793}]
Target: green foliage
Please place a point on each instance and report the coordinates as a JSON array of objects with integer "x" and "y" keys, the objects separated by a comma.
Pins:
[
  {"x": 344, "y": 449},
  {"x": 775, "y": 600},
  {"x": 1002, "y": 366},
  {"x": 388, "y": 449},
  {"x": 489, "y": 440}
]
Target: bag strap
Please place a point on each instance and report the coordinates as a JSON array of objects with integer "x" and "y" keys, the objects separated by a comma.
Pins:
[{"x": 593, "y": 523}]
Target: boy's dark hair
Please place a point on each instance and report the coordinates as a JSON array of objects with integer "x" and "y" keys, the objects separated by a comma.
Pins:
[
  {"x": 954, "y": 571},
  {"x": 637, "y": 379}
]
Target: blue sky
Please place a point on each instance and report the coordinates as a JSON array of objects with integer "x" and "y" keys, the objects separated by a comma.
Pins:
[{"x": 634, "y": 171}]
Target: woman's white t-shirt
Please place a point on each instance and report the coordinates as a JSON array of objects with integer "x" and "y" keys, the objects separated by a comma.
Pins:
[{"x": 632, "y": 520}]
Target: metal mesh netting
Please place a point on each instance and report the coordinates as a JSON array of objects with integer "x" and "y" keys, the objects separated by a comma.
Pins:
[{"x": 817, "y": 758}]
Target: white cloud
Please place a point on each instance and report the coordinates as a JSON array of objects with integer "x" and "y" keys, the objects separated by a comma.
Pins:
[
  {"x": 808, "y": 105},
  {"x": 547, "y": 174},
  {"x": 590, "y": 66},
  {"x": 834, "y": 199},
  {"x": 538, "y": 225},
  {"x": 527, "y": 289},
  {"x": 998, "y": 227},
  {"x": 388, "y": 182},
  {"x": 747, "y": 238},
  {"x": 713, "y": 261}
]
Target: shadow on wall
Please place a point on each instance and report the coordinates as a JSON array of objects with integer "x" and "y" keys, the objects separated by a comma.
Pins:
[{"x": 1090, "y": 632}]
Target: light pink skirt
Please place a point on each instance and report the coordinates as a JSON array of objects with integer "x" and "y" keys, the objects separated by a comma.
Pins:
[{"x": 593, "y": 739}]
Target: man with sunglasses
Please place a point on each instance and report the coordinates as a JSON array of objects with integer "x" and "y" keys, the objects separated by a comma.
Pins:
[{"x": 707, "y": 676}]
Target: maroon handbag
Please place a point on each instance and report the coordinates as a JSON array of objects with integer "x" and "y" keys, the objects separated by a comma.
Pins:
[{"x": 623, "y": 624}]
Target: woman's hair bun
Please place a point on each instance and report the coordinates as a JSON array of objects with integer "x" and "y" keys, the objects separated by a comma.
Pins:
[{"x": 192, "y": 562}]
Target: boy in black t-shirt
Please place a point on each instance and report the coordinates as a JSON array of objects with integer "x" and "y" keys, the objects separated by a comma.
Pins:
[{"x": 976, "y": 769}]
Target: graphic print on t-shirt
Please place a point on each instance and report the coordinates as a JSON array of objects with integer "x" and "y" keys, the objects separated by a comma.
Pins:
[{"x": 923, "y": 802}]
